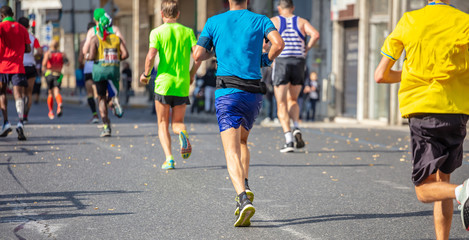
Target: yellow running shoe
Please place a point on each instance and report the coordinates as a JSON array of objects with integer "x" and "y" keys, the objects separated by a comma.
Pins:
[
  {"x": 168, "y": 164},
  {"x": 186, "y": 148}
]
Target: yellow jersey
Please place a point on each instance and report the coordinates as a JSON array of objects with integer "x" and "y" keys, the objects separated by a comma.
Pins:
[{"x": 435, "y": 75}]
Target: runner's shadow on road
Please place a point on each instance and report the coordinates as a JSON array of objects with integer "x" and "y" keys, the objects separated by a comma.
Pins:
[
  {"x": 222, "y": 167},
  {"x": 338, "y": 217},
  {"x": 36, "y": 206}
]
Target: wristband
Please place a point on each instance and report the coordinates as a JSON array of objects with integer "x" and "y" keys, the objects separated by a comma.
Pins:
[
  {"x": 146, "y": 76},
  {"x": 265, "y": 61}
]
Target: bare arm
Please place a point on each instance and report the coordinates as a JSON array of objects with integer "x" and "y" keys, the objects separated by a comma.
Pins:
[
  {"x": 195, "y": 66},
  {"x": 277, "y": 44},
  {"x": 81, "y": 56},
  {"x": 65, "y": 60},
  {"x": 86, "y": 46},
  {"x": 124, "y": 51},
  {"x": 149, "y": 63},
  {"x": 45, "y": 60},
  {"x": 312, "y": 33},
  {"x": 201, "y": 54},
  {"x": 384, "y": 74},
  {"x": 93, "y": 45},
  {"x": 118, "y": 33}
]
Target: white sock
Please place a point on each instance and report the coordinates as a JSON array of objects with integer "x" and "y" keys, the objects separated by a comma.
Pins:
[
  {"x": 288, "y": 137},
  {"x": 457, "y": 191},
  {"x": 296, "y": 124},
  {"x": 20, "y": 108}
]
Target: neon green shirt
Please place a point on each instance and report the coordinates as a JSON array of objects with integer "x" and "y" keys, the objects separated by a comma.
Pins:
[
  {"x": 435, "y": 76},
  {"x": 174, "y": 43}
]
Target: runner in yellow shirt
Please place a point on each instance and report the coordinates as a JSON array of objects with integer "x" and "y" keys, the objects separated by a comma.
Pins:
[{"x": 433, "y": 95}]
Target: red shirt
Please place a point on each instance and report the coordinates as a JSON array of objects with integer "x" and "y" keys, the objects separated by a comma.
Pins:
[{"x": 13, "y": 40}]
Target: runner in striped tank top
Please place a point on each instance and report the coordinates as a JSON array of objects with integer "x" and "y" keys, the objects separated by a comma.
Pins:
[{"x": 289, "y": 70}]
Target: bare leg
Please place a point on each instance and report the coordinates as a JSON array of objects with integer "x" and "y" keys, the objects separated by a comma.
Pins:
[
  {"x": 103, "y": 111},
  {"x": 436, "y": 188},
  {"x": 3, "y": 101},
  {"x": 292, "y": 100},
  {"x": 231, "y": 143},
  {"x": 281, "y": 93},
  {"x": 177, "y": 119},
  {"x": 29, "y": 96},
  {"x": 245, "y": 155},
  {"x": 162, "y": 113}
]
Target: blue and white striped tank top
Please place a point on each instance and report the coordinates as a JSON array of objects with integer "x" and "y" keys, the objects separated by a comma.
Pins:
[{"x": 292, "y": 36}]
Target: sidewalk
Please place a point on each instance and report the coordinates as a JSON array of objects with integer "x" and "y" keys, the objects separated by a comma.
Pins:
[{"x": 140, "y": 100}]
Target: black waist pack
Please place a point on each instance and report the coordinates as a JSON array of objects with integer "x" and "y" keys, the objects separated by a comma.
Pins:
[{"x": 252, "y": 86}]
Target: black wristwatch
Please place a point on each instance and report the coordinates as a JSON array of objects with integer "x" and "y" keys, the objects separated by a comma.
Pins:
[{"x": 146, "y": 76}]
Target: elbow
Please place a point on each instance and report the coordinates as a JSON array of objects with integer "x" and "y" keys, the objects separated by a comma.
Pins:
[
  {"x": 197, "y": 57},
  {"x": 278, "y": 48},
  {"x": 379, "y": 77}
]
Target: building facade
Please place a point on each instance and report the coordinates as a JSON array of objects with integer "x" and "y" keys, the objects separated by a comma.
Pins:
[{"x": 359, "y": 30}]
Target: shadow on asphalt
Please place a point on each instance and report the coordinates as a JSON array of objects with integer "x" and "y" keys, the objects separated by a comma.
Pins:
[
  {"x": 287, "y": 166},
  {"x": 337, "y": 217},
  {"x": 54, "y": 200}
]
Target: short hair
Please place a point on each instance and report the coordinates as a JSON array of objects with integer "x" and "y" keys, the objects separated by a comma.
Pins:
[
  {"x": 239, "y": 1},
  {"x": 170, "y": 8},
  {"x": 285, "y": 4},
  {"x": 24, "y": 21},
  {"x": 7, "y": 11},
  {"x": 91, "y": 25}
]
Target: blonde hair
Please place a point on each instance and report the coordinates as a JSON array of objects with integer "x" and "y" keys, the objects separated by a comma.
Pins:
[
  {"x": 54, "y": 44},
  {"x": 170, "y": 8}
]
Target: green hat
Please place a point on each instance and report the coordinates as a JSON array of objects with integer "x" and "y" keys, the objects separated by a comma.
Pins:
[{"x": 98, "y": 13}]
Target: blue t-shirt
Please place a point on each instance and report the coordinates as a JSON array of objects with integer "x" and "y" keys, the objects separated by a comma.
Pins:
[{"x": 237, "y": 37}]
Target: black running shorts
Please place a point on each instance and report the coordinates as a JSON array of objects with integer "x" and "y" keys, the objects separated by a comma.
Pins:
[
  {"x": 53, "y": 81},
  {"x": 288, "y": 70},
  {"x": 172, "y": 100},
  {"x": 30, "y": 72},
  {"x": 437, "y": 143}
]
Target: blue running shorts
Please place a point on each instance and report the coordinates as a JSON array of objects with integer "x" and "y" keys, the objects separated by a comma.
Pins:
[{"x": 236, "y": 109}]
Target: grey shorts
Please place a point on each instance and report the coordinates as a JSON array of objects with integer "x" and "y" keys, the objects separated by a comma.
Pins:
[
  {"x": 172, "y": 100},
  {"x": 17, "y": 79},
  {"x": 288, "y": 70},
  {"x": 437, "y": 143}
]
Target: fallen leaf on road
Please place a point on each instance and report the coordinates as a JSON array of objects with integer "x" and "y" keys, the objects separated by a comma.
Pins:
[
  {"x": 118, "y": 157},
  {"x": 135, "y": 126},
  {"x": 59, "y": 165}
]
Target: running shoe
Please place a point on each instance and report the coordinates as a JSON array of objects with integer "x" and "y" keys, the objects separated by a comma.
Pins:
[
  {"x": 464, "y": 204},
  {"x": 288, "y": 147},
  {"x": 94, "y": 119},
  {"x": 248, "y": 192},
  {"x": 6, "y": 129},
  {"x": 51, "y": 115},
  {"x": 59, "y": 111},
  {"x": 168, "y": 165},
  {"x": 247, "y": 210},
  {"x": 106, "y": 131},
  {"x": 116, "y": 108},
  {"x": 186, "y": 148},
  {"x": 299, "y": 143},
  {"x": 20, "y": 131}
]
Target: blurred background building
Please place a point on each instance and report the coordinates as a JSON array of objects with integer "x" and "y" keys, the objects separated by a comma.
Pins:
[{"x": 352, "y": 32}]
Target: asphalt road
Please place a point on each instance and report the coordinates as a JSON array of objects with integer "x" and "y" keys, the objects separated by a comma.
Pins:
[{"x": 64, "y": 182}]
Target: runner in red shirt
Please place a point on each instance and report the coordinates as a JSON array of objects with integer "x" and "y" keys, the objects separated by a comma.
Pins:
[{"x": 14, "y": 42}]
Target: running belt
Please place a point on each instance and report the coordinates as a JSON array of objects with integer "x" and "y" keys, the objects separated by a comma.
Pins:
[{"x": 292, "y": 36}]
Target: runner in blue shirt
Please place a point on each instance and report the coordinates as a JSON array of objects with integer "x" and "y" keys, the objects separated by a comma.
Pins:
[{"x": 236, "y": 38}]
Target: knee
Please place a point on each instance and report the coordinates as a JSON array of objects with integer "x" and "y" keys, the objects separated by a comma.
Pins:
[{"x": 421, "y": 194}]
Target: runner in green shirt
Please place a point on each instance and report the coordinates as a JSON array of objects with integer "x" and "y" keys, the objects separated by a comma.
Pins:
[{"x": 174, "y": 43}]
